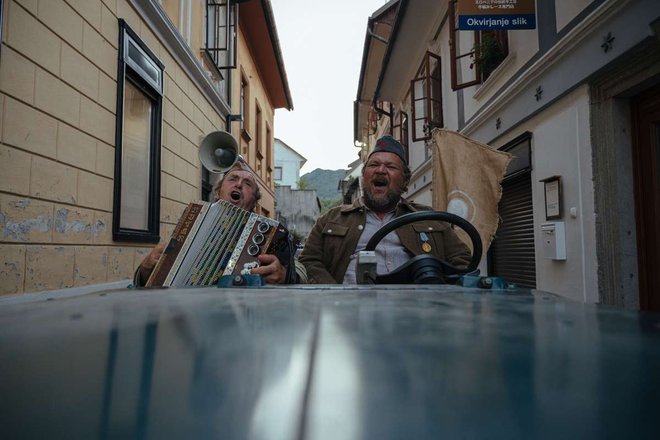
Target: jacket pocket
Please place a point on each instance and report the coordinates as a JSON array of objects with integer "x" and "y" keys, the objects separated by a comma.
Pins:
[
  {"x": 334, "y": 244},
  {"x": 335, "y": 230}
]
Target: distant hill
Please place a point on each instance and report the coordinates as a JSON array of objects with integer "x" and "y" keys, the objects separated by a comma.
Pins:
[{"x": 325, "y": 182}]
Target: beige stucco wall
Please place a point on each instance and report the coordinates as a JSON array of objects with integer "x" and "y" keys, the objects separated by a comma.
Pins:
[
  {"x": 58, "y": 89},
  {"x": 257, "y": 95}
]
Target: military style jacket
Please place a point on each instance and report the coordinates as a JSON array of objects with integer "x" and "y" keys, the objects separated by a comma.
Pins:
[{"x": 335, "y": 236}]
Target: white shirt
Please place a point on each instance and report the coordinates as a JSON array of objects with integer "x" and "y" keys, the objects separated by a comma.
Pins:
[{"x": 390, "y": 253}]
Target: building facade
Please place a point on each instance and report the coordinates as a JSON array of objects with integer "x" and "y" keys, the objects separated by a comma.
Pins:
[
  {"x": 574, "y": 100},
  {"x": 298, "y": 210},
  {"x": 104, "y": 104},
  {"x": 288, "y": 163}
]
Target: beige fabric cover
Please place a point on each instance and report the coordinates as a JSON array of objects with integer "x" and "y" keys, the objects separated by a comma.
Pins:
[{"x": 467, "y": 177}]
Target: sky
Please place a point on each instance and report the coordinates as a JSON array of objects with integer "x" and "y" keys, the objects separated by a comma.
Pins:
[{"x": 322, "y": 45}]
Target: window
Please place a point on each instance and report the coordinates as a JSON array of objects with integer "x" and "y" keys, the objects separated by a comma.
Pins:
[
  {"x": 257, "y": 139},
  {"x": 269, "y": 156},
  {"x": 2, "y": 16},
  {"x": 474, "y": 54},
  {"x": 257, "y": 126},
  {"x": 277, "y": 174},
  {"x": 245, "y": 94},
  {"x": 136, "y": 206},
  {"x": 400, "y": 132},
  {"x": 221, "y": 21},
  {"x": 373, "y": 121},
  {"x": 426, "y": 98},
  {"x": 381, "y": 111},
  {"x": 206, "y": 185}
]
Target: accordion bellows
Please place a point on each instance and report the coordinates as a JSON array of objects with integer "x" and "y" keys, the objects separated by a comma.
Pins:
[{"x": 215, "y": 239}]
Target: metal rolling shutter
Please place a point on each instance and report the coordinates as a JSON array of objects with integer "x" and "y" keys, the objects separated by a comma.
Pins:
[{"x": 512, "y": 252}]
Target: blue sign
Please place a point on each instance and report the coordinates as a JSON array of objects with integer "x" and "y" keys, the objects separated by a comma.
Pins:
[{"x": 496, "y": 22}]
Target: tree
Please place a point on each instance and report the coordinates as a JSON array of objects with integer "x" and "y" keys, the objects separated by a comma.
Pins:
[{"x": 303, "y": 184}]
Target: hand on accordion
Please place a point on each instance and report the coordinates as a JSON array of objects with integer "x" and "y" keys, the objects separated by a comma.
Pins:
[
  {"x": 270, "y": 269},
  {"x": 149, "y": 262}
]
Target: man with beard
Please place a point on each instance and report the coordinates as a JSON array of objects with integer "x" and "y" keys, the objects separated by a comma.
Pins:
[
  {"x": 331, "y": 250},
  {"x": 239, "y": 187}
]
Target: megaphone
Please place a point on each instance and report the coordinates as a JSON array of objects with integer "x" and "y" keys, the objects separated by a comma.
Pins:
[{"x": 218, "y": 151}]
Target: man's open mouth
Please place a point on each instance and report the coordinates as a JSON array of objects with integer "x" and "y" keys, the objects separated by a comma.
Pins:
[
  {"x": 235, "y": 196},
  {"x": 379, "y": 182}
]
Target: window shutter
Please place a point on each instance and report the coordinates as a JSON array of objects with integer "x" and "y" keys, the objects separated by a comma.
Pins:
[
  {"x": 464, "y": 71},
  {"x": 426, "y": 98}
]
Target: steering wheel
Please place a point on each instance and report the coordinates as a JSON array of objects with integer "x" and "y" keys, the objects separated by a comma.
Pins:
[{"x": 424, "y": 268}]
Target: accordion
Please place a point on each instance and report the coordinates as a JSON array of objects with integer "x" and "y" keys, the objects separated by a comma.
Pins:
[{"x": 216, "y": 239}]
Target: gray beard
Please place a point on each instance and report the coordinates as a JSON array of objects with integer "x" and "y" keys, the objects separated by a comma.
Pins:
[{"x": 385, "y": 203}]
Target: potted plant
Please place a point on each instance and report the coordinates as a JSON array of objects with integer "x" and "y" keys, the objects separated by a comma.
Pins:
[{"x": 487, "y": 54}]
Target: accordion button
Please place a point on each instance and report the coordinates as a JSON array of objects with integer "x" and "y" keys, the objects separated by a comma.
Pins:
[
  {"x": 258, "y": 238},
  {"x": 329, "y": 231},
  {"x": 360, "y": 227},
  {"x": 263, "y": 227}
]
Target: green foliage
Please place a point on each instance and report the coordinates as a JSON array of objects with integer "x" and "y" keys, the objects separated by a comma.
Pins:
[
  {"x": 325, "y": 182},
  {"x": 303, "y": 184},
  {"x": 489, "y": 54}
]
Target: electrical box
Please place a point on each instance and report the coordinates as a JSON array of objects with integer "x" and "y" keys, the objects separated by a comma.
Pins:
[{"x": 554, "y": 240}]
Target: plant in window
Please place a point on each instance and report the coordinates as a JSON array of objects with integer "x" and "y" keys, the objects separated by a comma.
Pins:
[{"x": 488, "y": 53}]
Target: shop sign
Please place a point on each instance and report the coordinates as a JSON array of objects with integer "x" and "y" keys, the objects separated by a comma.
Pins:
[{"x": 474, "y": 15}]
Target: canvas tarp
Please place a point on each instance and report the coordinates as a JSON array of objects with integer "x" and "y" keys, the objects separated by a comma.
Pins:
[{"x": 467, "y": 177}]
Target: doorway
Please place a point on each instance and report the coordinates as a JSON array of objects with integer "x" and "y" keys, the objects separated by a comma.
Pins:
[
  {"x": 646, "y": 174},
  {"x": 512, "y": 254}
]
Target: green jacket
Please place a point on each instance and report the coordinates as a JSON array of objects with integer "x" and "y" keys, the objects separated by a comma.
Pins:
[{"x": 335, "y": 236}]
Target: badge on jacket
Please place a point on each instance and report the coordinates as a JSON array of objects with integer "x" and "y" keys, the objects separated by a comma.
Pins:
[{"x": 426, "y": 246}]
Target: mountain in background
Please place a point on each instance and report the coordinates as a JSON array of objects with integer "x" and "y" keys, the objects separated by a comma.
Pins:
[{"x": 325, "y": 182}]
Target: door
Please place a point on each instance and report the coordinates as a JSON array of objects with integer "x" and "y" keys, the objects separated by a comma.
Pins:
[
  {"x": 512, "y": 253},
  {"x": 646, "y": 175}
]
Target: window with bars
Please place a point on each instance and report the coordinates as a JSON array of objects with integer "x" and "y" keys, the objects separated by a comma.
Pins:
[
  {"x": 426, "y": 98},
  {"x": 474, "y": 54},
  {"x": 221, "y": 30}
]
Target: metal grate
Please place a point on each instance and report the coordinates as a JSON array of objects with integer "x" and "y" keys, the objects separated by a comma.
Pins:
[{"x": 512, "y": 252}]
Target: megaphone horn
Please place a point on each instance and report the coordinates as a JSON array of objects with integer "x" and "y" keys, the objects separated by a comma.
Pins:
[{"x": 218, "y": 151}]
